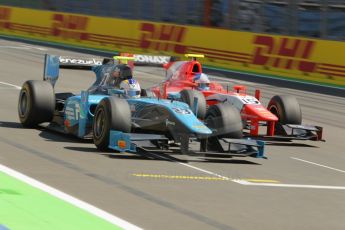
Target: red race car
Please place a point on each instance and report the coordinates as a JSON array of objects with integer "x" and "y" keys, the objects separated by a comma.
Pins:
[{"x": 185, "y": 81}]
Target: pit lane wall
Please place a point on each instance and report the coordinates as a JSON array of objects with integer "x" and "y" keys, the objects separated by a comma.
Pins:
[{"x": 305, "y": 59}]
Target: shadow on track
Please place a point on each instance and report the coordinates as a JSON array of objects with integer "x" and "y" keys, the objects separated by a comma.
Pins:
[
  {"x": 61, "y": 137},
  {"x": 162, "y": 156},
  {"x": 11, "y": 124},
  {"x": 291, "y": 144},
  {"x": 92, "y": 149},
  {"x": 157, "y": 155},
  {"x": 227, "y": 161},
  {"x": 114, "y": 155}
]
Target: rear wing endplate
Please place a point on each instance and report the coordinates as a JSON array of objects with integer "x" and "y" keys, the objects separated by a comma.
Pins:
[{"x": 53, "y": 63}]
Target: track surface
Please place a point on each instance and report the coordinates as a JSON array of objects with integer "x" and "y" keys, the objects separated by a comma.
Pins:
[{"x": 190, "y": 202}]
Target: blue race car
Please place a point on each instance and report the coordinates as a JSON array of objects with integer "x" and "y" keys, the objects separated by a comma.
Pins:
[{"x": 118, "y": 115}]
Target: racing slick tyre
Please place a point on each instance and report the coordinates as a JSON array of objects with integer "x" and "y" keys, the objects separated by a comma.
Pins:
[
  {"x": 286, "y": 108},
  {"x": 36, "y": 103},
  {"x": 225, "y": 120},
  {"x": 187, "y": 96},
  {"x": 111, "y": 113}
]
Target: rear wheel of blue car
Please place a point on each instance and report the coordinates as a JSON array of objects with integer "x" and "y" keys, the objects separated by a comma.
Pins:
[
  {"x": 36, "y": 103},
  {"x": 112, "y": 113}
]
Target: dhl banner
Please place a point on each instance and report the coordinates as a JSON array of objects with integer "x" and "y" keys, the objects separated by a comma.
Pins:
[{"x": 298, "y": 58}]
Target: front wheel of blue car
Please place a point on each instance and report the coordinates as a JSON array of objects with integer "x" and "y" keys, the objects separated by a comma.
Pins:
[
  {"x": 225, "y": 121},
  {"x": 111, "y": 114}
]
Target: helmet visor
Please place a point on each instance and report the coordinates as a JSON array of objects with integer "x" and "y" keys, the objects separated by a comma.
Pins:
[{"x": 204, "y": 86}]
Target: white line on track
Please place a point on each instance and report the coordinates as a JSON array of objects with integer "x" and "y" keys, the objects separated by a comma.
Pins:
[
  {"x": 35, "y": 47},
  {"x": 313, "y": 163},
  {"x": 7, "y": 88},
  {"x": 70, "y": 199},
  {"x": 15, "y": 86},
  {"x": 24, "y": 47},
  {"x": 244, "y": 182}
]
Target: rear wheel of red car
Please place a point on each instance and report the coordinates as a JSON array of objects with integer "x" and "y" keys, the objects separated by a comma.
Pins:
[
  {"x": 36, "y": 103},
  {"x": 188, "y": 97},
  {"x": 286, "y": 108},
  {"x": 111, "y": 114}
]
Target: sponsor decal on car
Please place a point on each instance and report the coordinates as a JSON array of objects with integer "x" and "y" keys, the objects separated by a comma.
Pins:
[
  {"x": 198, "y": 126},
  {"x": 122, "y": 144},
  {"x": 167, "y": 123},
  {"x": 181, "y": 111},
  {"x": 79, "y": 61}
]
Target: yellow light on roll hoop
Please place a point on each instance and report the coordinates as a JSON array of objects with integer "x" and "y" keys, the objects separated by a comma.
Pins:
[
  {"x": 195, "y": 55},
  {"x": 124, "y": 59}
]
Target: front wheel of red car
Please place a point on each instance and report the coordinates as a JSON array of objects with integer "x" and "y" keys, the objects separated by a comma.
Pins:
[{"x": 286, "y": 108}]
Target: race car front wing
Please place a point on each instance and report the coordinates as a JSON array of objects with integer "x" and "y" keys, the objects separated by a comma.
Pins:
[{"x": 297, "y": 132}]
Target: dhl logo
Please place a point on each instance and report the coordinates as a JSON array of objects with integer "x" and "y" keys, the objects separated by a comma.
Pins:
[
  {"x": 69, "y": 26},
  {"x": 5, "y": 14},
  {"x": 284, "y": 53},
  {"x": 163, "y": 37}
]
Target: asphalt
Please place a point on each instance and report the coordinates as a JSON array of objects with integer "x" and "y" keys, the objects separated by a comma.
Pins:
[{"x": 300, "y": 186}]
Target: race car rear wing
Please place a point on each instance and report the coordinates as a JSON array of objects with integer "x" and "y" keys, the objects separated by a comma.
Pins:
[{"x": 52, "y": 63}]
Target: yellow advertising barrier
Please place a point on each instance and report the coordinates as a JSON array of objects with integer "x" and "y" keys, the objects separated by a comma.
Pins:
[{"x": 299, "y": 58}]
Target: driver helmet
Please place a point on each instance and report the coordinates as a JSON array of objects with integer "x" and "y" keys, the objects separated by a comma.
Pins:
[
  {"x": 119, "y": 73},
  {"x": 202, "y": 81},
  {"x": 131, "y": 87},
  {"x": 125, "y": 72}
]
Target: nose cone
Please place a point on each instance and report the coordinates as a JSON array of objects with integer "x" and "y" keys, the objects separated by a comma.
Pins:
[
  {"x": 181, "y": 112},
  {"x": 257, "y": 112},
  {"x": 200, "y": 128}
]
